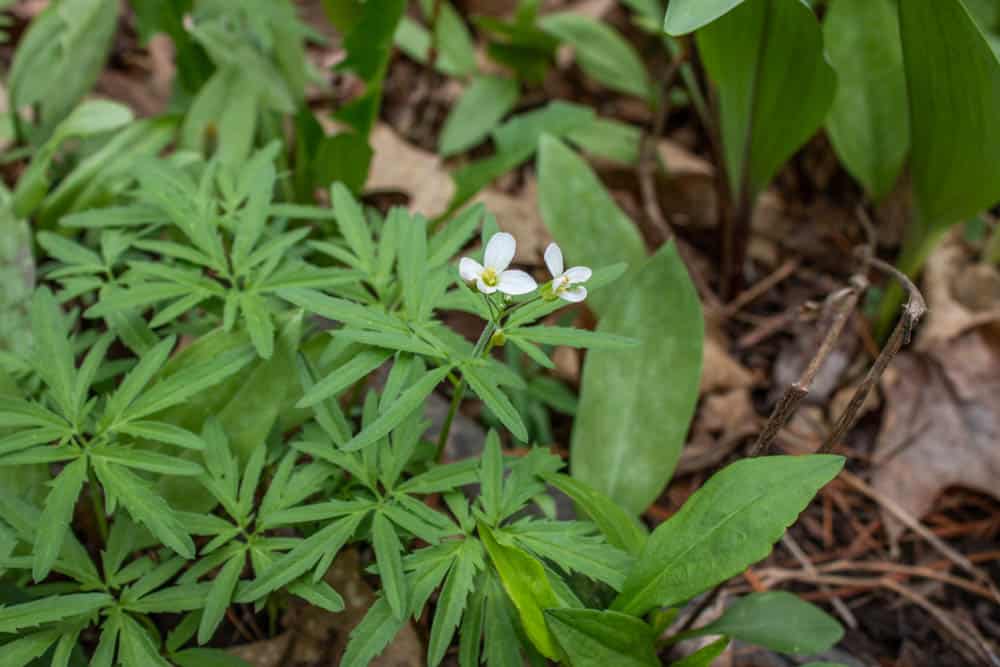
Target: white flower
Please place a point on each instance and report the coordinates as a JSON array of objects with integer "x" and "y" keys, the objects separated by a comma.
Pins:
[
  {"x": 566, "y": 284},
  {"x": 493, "y": 275}
]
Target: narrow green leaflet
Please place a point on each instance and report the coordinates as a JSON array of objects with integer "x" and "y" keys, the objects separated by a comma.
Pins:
[
  {"x": 636, "y": 405},
  {"x": 359, "y": 366},
  {"x": 775, "y": 86},
  {"x": 869, "y": 122},
  {"x": 54, "y": 608},
  {"x": 601, "y": 52},
  {"x": 684, "y": 16},
  {"x": 952, "y": 110},
  {"x": 220, "y": 597},
  {"x": 137, "y": 647},
  {"x": 592, "y": 638},
  {"x": 52, "y": 349},
  {"x": 728, "y": 524},
  {"x": 528, "y": 587},
  {"x": 779, "y": 621},
  {"x": 583, "y": 218},
  {"x": 451, "y": 604},
  {"x": 372, "y": 635},
  {"x": 619, "y": 527},
  {"x": 388, "y": 555},
  {"x": 23, "y": 650},
  {"x": 402, "y": 408},
  {"x": 354, "y": 227},
  {"x": 482, "y": 106},
  {"x": 495, "y": 400},
  {"x": 594, "y": 340},
  {"x": 56, "y": 517}
]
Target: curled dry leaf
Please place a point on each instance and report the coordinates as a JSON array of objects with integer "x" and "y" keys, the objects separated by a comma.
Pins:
[{"x": 942, "y": 424}]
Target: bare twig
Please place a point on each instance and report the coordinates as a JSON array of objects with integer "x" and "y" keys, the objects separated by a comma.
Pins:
[
  {"x": 807, "y": 565},
  {"x": 913, "y": 311},
  {"x": 839, "y": 307},
  {"x": 760, "y": 287}
]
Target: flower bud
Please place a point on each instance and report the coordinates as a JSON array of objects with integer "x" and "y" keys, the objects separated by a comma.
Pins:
[{"x": 499, "y": 338}]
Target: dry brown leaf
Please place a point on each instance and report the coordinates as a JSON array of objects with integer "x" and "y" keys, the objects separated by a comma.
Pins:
[
  {"x": 720, "y": 371},
  {"x": 942, "y": 424},
  {"x": 400, "y": 166},
  {"x": 723, "y": 421}
]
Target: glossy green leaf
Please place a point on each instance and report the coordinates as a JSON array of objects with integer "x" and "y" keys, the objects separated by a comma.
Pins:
[
  {"x": 774, "y": 86},
  {"x": 684, "y": 16},
  {"x": 601, "y": 51},
  {"x": 954, "y": 136},
  {"x": 727, "y": 525},
  {"x": 779, "y": 621},
  {"x": 593, "y": 638},
  {"x": 636, "y": 404},
  {"x": 869, "y": 122},
  {"x": 583, "y": 218},
  {"x": 483, "y": 104},
  {"x": 528, "y": 587}
]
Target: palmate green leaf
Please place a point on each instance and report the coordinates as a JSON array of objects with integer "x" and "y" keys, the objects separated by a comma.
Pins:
[
  {"x": 775, "y": 86},
  {"x": 684, "y": 16},
  {"x": 953, "y": 136},
  {"x": 370, "y": 637},
  {"x": 636, "y": 404},
  {"x": 528, "y": 587},
  {"x": 779, "y": 621},
  {"x": 402, "y": 408},
  {"x": 53, "y": 608},
  {"x": 620, "y": 528},
  {"x": 594, "y": 340},
  {"x": 483, "y": 104},
  {"x": 704, "y": 657},
  {"x": 23, "y": 650},
  {"x": 593, "y": 638},
  {"x": 219, "y": 598},
  {"x": 601, "y": 51},
  {"x": 388, "y": 555},
  {"x": 486, "y": 389},
  {"x": 56, "y": 516},
  {"x": 451, "y": 604},
  {"x": 303, "y": 557},
  {"x": 869, "y": 122},
  {"x": 728, "y": 524},
  {"x": 583, "y": 218},
  {"x": 145, "y": 506}
]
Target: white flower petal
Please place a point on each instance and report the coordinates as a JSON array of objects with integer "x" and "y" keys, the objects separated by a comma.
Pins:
[
  {"x": 469, "y": 269},
  {"x": 500, "y": 251},
  {"x": 484, "y": 288},
  {"x": 554, "y": 260},
  {"x": 574, "y": 295},
  {"x": 516, "y": 282},
  {"x": 579, "y": 274}
]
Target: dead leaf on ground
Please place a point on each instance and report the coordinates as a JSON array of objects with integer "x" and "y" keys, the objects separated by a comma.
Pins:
[
  {"x": 720, "y": 371},
  {"x": 942, "y": 424},
  {"x": 400, "y": 166},
  {"x": 317, "y": 638},
  {"x": 724, "y": 420}
]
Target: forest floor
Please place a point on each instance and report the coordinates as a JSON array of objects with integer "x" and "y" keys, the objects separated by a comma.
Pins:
[{"x": 904, "y": 547}]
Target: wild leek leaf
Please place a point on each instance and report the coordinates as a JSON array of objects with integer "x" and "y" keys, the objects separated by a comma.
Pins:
[{"x": 483, "y": 104}]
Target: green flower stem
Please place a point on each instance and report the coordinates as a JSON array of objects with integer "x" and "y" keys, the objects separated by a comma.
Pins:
[{"x": 482, "y": 347}]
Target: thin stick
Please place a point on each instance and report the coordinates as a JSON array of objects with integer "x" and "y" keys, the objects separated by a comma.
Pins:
[
  {"x": 807, "y": 565},
  {"x": 913, "y": 311},
  {"x": 842, "y": 304},
  {"x": 760, "y": 287}
]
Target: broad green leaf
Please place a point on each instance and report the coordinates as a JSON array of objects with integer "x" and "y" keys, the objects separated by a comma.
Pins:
[
  {"x": 94, "y": 117},
  {"x": 592, "y": 638},
  {"x": 775, "y": 87},
  {"x": 779, "y": 621},
  {"x": 220, "y": 597},
  {"x": 954, "y": 139},
  {"x": 684, "y": 16},
  {"x": 388, "y": 550},
  {"x": 370, "y": 637},
  {"x": 619, "y": 527},
  {"x": 869, "y": 122},
  {"x": 705, "y": 656},
  {"x": 728, "y": 524},
  {"x": 528, "y": 587},
  {"x": 402, "y": 408},
  {"x": 636, "y": 405},
  {"x": 56, "y": 517},
  {"x": 609, "y": 139},
  {"x": 601, "y": 52},
  {"x": 483, "y": 104},
  {"x": 584, "y": 219},
  {"x": 50, "y": 609}
]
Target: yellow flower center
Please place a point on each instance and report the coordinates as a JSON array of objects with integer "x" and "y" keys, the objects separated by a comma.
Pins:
[{"x": 489, "y": 277}]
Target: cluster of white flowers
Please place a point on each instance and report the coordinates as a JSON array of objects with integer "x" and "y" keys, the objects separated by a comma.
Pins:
[{"x": 494, "y": 276}]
